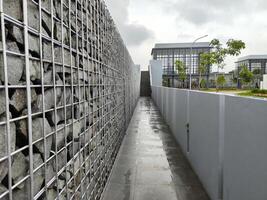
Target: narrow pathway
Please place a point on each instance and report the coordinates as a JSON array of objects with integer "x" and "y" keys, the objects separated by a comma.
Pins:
[{"x": 150, "y": 164}]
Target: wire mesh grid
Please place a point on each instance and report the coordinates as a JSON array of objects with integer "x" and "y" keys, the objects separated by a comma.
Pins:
[{"x": 68, "y": 88}]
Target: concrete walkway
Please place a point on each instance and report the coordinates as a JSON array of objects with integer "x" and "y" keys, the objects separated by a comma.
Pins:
[{"x": 150, "y": 164}]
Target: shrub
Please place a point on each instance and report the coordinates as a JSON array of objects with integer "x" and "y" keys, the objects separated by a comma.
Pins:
[{"x": 258, "y": 91}]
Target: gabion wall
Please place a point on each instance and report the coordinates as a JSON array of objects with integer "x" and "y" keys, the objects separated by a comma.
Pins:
[{"x": 68, "y": 88}]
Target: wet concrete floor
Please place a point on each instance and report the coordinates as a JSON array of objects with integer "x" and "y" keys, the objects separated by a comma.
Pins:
[{"x": 150, "y": 164}]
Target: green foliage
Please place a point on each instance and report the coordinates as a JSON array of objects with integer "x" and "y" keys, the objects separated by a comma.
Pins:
[
  {"x": 203, "y": 83},
  {"x": 180, "y": 67},
  {"x": 235, "y": 80},
  {"x": 258, "y": 91},
  {"x": 235, "y": 47},
  {"x": 256, "y": 71},
  {"x": 221, "y": 80},
  {"x": 219, "y": 53},
  {"x": 246, "y": 75},
  {"x": 165, "y": 82},
  {"x": 206, "y": 59}
]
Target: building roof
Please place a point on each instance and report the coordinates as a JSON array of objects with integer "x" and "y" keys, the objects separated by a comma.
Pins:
[
  {"x": 252, "y": 57},
  {"x": 180, "y": 45}
]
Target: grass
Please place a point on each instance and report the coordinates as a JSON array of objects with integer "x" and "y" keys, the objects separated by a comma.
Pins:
[
  {"x": 240, "y": 92},
  {"x": 254, "y": 93},
  {"x": 224, "y": 90}
]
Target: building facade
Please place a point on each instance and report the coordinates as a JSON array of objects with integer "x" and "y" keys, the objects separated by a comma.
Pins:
[
  {"x": 169, "y": 53},
  {"x": 257, "y": 64},
  {"x": 253, "y": 62}
]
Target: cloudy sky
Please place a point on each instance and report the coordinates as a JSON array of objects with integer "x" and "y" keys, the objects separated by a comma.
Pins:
[{"x": 142, "y": 23}]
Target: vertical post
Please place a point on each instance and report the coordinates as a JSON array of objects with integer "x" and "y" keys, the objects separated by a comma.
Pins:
[
  {"x": 188, "y": 122},
  {"x": 8, "y": 135},
  {"x": 221, "y": 145},
  {"x": 28, "y": 90},
  {"x": 190, "y": 67},
  {"x": 191, "y": 52}
]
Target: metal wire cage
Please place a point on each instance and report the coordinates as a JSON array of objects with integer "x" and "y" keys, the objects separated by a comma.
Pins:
[{"x": 68, "y": 88}]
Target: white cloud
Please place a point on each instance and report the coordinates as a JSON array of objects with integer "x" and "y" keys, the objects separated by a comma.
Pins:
[
  {"x": 134, "y": 34},
  {"x": 145, "y": 22}
]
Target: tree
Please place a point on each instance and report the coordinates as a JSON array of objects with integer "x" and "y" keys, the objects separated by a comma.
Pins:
[
  {"x": 205, "y": 61},
  {"x": 203, "y": 83},
  {"x": 257, "y": 77},
  {"x": 221, "y": 80},
  {"x": 245, "y": 75},
  {"x": 165, "y": 82},
  {"x": 219, "y": 53},
  {"x": 180, "y": 67}
]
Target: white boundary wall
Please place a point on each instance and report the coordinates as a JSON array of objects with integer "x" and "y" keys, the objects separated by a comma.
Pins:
[{"x": 227, "y": 140}]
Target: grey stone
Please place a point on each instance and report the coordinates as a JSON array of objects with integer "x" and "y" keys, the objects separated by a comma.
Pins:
[
  {"x": 48, "y": 100},
  {"x": 46, "y": 4},
  {"x": 47, "y": 51},
  {"x": 17, "y": 33},
  {"x": 35, "y": 70},
  {"x": 33, "y": 15},
  {"x": 20, "y": 166},
  {"x": 61, "y": 184},
  {"x": 68, "y": 96},
  {"x": 74, "y": 149},
  {"x": 3, "y": 145},
  {"x": 19, "y": 99},
  {"x": 15, "y": 67},
  {"x": 13, "y": 8},
  {"x": 50, "y": 173},
  {"x": 46, "y": 24},
  {"x": 52, "y": 194},
  {"x": 48, "y": 78},
  {"x": 38, "y": 177},
  {"x": 67, "y": 57},
  {"x": 58, "y": 54},
  {"x": 61, "y": 160},
  {"x": 37, "y": 133},
  {"x": 22, "y": 127},
  {"x": 74, "y": 62},
  {"x": 61, "y": 115},
  {"x": 77, "y": 163},
  {"x": 34, "y": 44},
  {"x": 57, "y": 31},
  {"x": 57, "y": 8},
  {"x": 66, "y": 36},
  {"x": 59, "y": 140},
  {"x": 2, "y": 101},
  {"x": 12, "y": 46},
  {"x": 71, "y": 78},
  {"x": 3, "y": 189},
  {"x": 76, "y": 129}
]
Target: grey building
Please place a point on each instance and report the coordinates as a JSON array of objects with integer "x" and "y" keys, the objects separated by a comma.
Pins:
[
  {"x": 256, "y": 64},
  {"x": 253, "y": 62},
  {"x": 169, "y": 53}
]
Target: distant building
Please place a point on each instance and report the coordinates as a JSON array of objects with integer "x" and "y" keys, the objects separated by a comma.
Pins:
[
  {"x": 229, "y": 79},
  {"x": 253, "y": 62},
  {"x": 257, "y": 64},
  {"x": 169, "y": 53}
]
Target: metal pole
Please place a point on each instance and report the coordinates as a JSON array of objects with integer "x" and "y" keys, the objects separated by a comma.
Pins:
[{"x": 190, "y": 69}]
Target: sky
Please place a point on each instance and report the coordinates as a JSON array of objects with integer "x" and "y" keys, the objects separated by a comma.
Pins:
[{"x": 142, "y": 23}]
